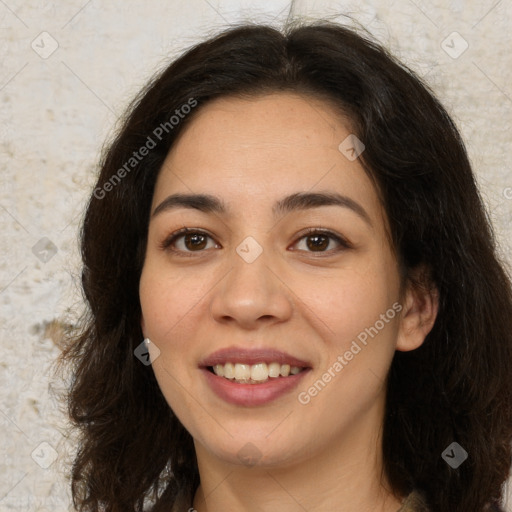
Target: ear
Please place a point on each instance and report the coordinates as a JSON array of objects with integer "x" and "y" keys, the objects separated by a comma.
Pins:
[{"x": 420, "y": 308}]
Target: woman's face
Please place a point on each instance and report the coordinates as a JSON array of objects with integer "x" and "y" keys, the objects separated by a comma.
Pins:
[{"x": 286, "y": 261}]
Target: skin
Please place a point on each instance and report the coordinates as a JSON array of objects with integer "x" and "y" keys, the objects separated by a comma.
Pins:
[{"x": 324, "y": 455}]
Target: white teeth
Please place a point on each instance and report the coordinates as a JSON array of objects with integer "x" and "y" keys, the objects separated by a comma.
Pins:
[
  {"x": 259, "y": 372},
  {"x": 219, "y": 370},
  {"x": 229, "y": 370},
  {"x": 242, "y": 371},
  {"x": 251, "y": 374},
  {"x": 274, "y": 370}
]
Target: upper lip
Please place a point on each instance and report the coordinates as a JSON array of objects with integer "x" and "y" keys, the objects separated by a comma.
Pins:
[{"x": 252, "y": 356}]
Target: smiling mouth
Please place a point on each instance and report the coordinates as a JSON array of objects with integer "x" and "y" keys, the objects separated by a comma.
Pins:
[{"x": 255, "y": 373}]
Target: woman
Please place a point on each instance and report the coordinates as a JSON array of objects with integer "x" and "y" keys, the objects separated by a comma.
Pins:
[{"x": 290, "y": 222}]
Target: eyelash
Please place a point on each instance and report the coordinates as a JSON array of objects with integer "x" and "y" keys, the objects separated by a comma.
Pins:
[{"x": 167, "y": 244}]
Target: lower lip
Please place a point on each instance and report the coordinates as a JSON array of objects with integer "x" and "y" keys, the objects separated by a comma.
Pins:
[{"x": 252, "y": 394}]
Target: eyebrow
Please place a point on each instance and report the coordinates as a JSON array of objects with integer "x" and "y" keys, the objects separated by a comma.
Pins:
[{"x": 300, "y": 201}]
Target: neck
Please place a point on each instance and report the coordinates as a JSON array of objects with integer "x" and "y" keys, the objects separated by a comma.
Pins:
[{"x": 346, "y": 477}]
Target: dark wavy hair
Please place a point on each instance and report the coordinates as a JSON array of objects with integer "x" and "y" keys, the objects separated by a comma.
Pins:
[{"x": 457, "y": 386}]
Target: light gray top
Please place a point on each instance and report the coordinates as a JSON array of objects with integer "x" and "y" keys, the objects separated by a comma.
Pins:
[{"x": 414, "y": 503}]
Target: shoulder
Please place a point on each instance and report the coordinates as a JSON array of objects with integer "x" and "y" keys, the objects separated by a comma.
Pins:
[{"x": 414, "y": 503}]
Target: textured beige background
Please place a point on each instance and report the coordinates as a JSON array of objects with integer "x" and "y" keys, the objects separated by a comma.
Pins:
[{"x": 56, "y": 111}]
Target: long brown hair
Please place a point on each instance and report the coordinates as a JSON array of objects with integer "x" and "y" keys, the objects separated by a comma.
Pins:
[{"x": 457, "y": 387}]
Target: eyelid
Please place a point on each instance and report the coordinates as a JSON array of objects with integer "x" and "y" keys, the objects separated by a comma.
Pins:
[
  {"x": 170, "y": 239},
  {"x": 342, "y": 241}
]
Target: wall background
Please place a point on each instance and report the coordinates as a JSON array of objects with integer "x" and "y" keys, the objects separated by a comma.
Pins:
[{"x": 68, "y": 70}]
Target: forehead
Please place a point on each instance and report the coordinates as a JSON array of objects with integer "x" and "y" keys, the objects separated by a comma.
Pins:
[{"x": 263, "y": 148}]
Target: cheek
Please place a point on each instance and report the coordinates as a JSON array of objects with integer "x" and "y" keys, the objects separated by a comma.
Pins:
[
  {"x": 344, "y": 305},
  {"x": 357, "y": 320},
  {"x": 168, "y": 300},
  {"x": 168, "y": 305}
]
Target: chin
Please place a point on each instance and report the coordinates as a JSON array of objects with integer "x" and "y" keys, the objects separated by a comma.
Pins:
[{"x": 253, "y": 451}]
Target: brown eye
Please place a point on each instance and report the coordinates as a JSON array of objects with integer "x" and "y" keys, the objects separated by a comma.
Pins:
[
  {"x": 317, "y": 242},
  {"x": 187, "y": 241},
  {"x": 321, "y": 242},
  {"x": 195, "y": 241}
]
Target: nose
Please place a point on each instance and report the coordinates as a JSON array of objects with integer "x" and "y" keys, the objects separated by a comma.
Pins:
[{"x": 251, "y": 295}]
